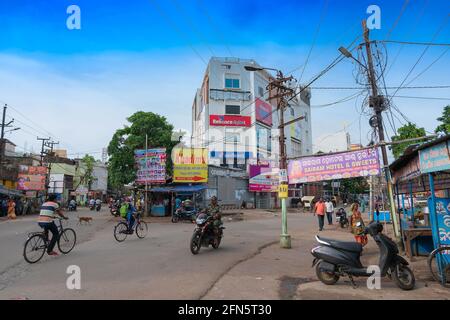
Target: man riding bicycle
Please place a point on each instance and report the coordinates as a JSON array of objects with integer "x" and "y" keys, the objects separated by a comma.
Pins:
[
  {"x": 49, "y": 211},
  {"x": 127, "y": 211}
]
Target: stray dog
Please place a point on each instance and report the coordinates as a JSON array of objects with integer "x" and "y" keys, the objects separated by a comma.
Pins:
[{"x": 84, "y": 219}]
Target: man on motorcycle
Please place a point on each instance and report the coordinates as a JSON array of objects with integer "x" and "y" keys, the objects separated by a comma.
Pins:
[{"x": 214, "y": 211}]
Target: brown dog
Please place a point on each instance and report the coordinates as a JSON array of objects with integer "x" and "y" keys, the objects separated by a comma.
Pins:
[{"x": 84, "y": 219}]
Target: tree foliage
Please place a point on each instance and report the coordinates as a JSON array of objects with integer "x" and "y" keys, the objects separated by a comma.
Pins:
[
  {"x": 407, "y": 131},
  {"x": 121, "y": 166},
  {"x": 88, "y": 178},
  {"x": 356, "y": 185},
  {"x": 444, "y": 127}
]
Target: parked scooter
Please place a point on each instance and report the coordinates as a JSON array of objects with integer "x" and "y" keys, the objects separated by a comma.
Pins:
[
  {"x": 334, "y": 259},
  {"x": 72, "y": 206},
  {"x": 204, "y": 235},
  {"x": 184, "y": 213},
  {"x": 341, "y": 218},
  {"x": 98, "y": 206},
  {"x": 114, "y": 210}
]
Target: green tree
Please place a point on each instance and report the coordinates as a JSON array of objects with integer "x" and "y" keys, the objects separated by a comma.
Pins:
[
  {"x": 407, "y": 131},
  {"x": 121, "y": 165},
  {"x": 88, "y": 178},
  {"x": 444, "y": 127},
  {"x": 356, "y": 185}
]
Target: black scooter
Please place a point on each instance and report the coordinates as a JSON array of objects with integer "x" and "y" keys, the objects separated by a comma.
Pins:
[
  {"x": 334, "y": 259},
  {"x": 341, "y": 218}
]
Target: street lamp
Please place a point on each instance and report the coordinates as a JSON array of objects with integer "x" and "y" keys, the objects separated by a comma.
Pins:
[
  {"x": 285, "y": 238},
  {"x": 348, "y": 54}
]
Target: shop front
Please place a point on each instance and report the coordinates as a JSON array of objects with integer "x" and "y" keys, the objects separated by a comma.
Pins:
[
  {"x": 422, "y": 183},
  {"x": 163, "y": 198}
]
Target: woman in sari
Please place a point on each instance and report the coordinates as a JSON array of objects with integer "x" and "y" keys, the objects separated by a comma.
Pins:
[
  {"x": 357, "y": 223},
  {"x": 11, "y": 209}
]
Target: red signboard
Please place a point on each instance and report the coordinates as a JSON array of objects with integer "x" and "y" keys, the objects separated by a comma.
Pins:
[
  {"x": 229, "y": 121},
  {"x": 263, "y": 112}
]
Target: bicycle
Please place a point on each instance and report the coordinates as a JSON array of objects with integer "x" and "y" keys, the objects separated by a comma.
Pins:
[
  {"x": 438, "y": 262},
  {"x": 37, "y": 243},
  {"x": 121, "y": 229}
]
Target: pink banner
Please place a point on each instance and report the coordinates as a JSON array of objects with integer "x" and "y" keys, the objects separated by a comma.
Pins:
[{"x": 361, "y": 163}]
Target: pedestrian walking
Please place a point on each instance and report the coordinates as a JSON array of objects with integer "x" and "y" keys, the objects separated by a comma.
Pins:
[
  {"x": 357, "y": 223},
  {"x": 319, "y": 209},
  {"x": 4, "y": 208},
  {"x": 330, "y": 211}
]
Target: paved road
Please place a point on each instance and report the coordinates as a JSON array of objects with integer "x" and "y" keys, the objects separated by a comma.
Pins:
[{"x": 157, "y": 267}]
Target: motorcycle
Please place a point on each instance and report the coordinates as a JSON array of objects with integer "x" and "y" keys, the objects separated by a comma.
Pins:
[
  {"x": 72, "y": 207},
  {"x": 91, "y": 207},
  {"x": 114, "y": 210},
  {"x": 341, "y": 218},
  {"x": 333, "y": 259},
  {"x": 204, "y": 235},
  {"x": 184, "y": 214},
  {"x": 98, "y": 207}
]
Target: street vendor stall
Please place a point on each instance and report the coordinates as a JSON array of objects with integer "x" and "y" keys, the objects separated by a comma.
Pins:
[
  {"x": 163, "y": 197},
  {"x": 424, "y": 170}
]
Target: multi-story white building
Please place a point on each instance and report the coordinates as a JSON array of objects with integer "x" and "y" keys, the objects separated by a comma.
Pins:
[{"x": 233, "y": 118}]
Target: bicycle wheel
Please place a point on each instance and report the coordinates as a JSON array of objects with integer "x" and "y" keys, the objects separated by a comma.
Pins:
[
  {"x": 34, "y": 248},
  {"x": 120, "y": 231},
  {"x": 67, "y": 240},
  {"x": 434, "y": 268},
  {"x": 141, "y": 229}
]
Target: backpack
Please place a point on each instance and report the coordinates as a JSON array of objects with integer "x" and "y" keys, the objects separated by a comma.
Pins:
[{"x": 124, "y": 210}]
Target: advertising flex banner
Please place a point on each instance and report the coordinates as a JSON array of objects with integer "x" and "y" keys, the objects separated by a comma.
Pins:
[
  {"x": 435, "y": 158},
  {"x": 263, "y": 178},
  {"x": 229, "y": 121},
  {"x": 440, "y": 226},
  {"x": 190, "y": 165},
  {"x": 263, "y": 112},
  {"x": 31, "y": 178},
  {"x": 151, "y": 165},
  {"x": 360, "y": 163}
]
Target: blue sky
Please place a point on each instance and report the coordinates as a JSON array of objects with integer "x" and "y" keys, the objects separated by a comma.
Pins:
[{"x": 149, "y": 54}]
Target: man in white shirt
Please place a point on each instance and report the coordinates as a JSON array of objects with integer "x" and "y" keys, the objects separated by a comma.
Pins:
[{"x": 330, "y": 210}]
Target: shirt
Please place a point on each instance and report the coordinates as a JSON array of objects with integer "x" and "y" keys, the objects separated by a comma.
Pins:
[
  {"x": 329, "y": 206},
  {"x": 48, "y": 211},
  {"x": 320, "y": 208}
]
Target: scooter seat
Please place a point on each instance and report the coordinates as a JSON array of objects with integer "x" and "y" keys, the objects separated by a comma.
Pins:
[{"x": 342, "y": 245}]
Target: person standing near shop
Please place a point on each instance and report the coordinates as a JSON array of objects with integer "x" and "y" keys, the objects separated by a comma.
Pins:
[
  {"x": 11, "y": 209},
  {"x": 320, "y": 209},
  {"x": 330, "y": 211}
]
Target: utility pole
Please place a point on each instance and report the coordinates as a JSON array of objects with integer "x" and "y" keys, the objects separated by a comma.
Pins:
[
  {"x": 50, "y": 145},
  {"x": 377, "y": 102},
  {"x": 2, "y": 138},
  {"x": 42, "y": 149},
  {"x": 281, "y": 92}
]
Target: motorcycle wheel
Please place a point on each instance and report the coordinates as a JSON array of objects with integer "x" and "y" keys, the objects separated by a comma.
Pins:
[
  {"x": 175, "y": 219},
  {"x": 216, "y": 243},
  {"x": 326, "y": 277},
  {"x": 196, "y": 242},
  {"x": 403, "y": 277}
]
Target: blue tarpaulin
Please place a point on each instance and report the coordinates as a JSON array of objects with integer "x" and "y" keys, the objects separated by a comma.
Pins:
[{"x": 180, "y": 188}]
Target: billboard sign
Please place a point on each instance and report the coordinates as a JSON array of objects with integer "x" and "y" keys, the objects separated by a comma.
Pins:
[
  {"x": 435, "y": 158},
  {"x": 229, "y": 121},
  {"x": 263, "y": 112},
  {"x": 361, "y": 163},
  {"x": 31, "y": 178},
  {"x": 151, "y": 165},
  {"x": 263, "y": 178},
  {"x": 190, "y": 165}
]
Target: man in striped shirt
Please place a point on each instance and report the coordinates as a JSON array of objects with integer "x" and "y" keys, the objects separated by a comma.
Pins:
[{"x": 49, "y": 211}]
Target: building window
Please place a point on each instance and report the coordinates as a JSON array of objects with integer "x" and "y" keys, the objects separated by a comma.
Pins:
[
  {"x": 232, "y": 137},
  {"x": 263, "y": 138},
  {"x": 296, "y": 148},
  {"x": 232, "y": 83},
  {"x": 261, "y": 92},
  {"x": 229, "y": 109}
]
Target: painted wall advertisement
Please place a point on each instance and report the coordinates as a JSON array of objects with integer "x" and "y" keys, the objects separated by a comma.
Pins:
[
  {"x": 190, "y": 165},
  {"x": 151, "y": 165},
  {"x": 344, "y": 165},
  {"x": 263, "y": 112},
  {"x": 263, "y": 178},
  {"x": 435, "y": 158},
  {"x": 31, "y": 178},
  {"x": 229, "y": 121}
]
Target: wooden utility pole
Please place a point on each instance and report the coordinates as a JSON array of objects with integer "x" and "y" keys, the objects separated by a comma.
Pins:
[{"x": 377, "y": 103}]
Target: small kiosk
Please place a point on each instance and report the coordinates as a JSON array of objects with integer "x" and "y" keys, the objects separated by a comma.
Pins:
[{"x": 422, "y": 184}]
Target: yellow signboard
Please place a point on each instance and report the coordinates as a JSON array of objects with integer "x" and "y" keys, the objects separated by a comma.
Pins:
[
  {"x": 283, "y": 191},
  {"x": 190, "y": 165}
]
